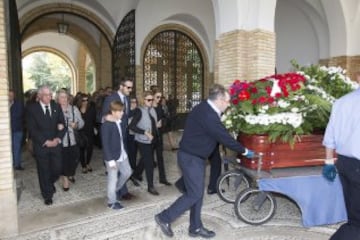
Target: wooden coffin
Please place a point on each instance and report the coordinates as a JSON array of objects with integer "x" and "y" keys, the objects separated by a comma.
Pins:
[{"x": 307, "y": 151}]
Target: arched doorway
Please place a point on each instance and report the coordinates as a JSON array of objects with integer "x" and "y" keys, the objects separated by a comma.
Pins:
[{"x": 173, "y": 62}]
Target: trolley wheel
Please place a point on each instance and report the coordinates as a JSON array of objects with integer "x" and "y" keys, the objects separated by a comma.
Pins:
[
  {"x": 230, "y": 184},
  {"x": 254, "y": 206}
]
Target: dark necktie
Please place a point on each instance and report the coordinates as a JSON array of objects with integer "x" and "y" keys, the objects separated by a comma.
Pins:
[
  {"x": 126, "y": 110},
  {"x": 47, "y": 111}
]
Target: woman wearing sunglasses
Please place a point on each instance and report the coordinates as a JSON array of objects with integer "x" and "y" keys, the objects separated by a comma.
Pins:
[{"x": 143, "y": 125}]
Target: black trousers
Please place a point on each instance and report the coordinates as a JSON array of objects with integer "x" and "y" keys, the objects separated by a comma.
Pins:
[
  {"x": 193, "y": 175},
  {"x": 132, "y": 150},
  {"x": 70, "y": 160},
  {"x": 48, "y": 163},
  {"x": 349, "y": 173},
  {"x": 159, "y": 148},
  {"x": 146, "y": 161},
  {"x": 87, "y": 152},
  {"x": 215, "y": 168}
]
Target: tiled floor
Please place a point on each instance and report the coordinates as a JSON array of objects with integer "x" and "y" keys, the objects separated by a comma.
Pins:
[{"x": 81, "y": 212}]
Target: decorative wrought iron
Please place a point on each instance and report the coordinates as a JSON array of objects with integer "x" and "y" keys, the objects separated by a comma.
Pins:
[
  {"x": 124, "y": 49},
  {"x": 174, "y": 64}
]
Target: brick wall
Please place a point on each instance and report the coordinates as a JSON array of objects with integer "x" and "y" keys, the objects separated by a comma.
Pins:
[
  {"x": 245, "y": 55},
  {"x": 81, "y": 68},
  {"x": 350, "y": 63},
  {"x": 8, "y": 206}
]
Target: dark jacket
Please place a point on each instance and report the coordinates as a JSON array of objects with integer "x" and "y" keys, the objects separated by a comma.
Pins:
[
  {"x": 125, "y": 118},
  {"x": 17, "y": 116},
  {"x": 40, "y": 127},
  {"x": 110, "y": 138},
  {"x": 204, "y": 130}
]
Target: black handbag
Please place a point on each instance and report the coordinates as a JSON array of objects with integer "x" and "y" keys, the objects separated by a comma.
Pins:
[{"x": 80, "y": 136}]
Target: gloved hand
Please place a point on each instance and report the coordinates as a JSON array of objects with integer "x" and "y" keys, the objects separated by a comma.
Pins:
[
  {"x": 248, "y": 153},
  {"x": 329, "y": 172}
]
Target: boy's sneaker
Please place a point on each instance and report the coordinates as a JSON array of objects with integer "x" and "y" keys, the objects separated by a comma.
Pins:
[{"x": 115, "y": 206}]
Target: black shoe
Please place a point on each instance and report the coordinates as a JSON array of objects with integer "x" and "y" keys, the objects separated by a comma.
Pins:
[
  {"x": 180, "y": 186},
  {"x": 72, "y": 179},
  {"x": 153, "y": 191},
  {"x": 48, "y": 201},
  {"x": 165, "y": 182},
  {"x": 128, "y": 196},
  {"x": 211, "y": 191},
  {"x": 165, "y": 227},
  {"x": 202, "y": 232},
  {"x": 134, "y": 181},
  {"x": 19, "y": 168},
  {"x": 54, "y": 189},
  {"x": 66, "y": 189}
]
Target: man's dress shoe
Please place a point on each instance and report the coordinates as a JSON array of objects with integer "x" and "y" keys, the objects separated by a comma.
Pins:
[
  {"x": 202, "y": 232},
  {"x": 134, "y": 181},
  {"x": 48, "y": 201},
  {"x": 165, "y": 227},
  {"x": 165, "y": 182},
  {"x": 128, "y": 196},
  {"x": 211, "y": 191},
  {"x": 153, "y": 191}
]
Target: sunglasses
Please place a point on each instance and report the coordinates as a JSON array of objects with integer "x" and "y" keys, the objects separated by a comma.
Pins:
[
  {"x": 149, "y": 99},
  {"x": 84, "y": 100},
  {"x": 158, "y": 97},
  {"x": 128, "y": 87}
]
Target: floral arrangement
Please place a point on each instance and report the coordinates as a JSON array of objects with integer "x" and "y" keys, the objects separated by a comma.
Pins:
[{"x": 284, "y": 106}]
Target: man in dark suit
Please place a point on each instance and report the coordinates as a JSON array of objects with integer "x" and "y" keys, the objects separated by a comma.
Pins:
[
  {"x": 122, "y": 94},
  {"x": 45, "y": 122},
  {"x": 17, "y": 128},
  {"x": 203, "y": 131}
]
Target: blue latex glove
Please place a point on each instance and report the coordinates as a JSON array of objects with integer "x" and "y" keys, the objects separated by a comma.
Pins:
[
  {"x": 329, "y": 172},
  {"x": 249, "y": 154}
]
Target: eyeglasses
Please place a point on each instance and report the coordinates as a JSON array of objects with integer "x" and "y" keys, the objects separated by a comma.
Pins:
[
  {"x": 158, "y": 97},
  {"x": 149, "y": 99},
  {"x": 84, "y": 100},
  {"x": 128, "y": 87}
]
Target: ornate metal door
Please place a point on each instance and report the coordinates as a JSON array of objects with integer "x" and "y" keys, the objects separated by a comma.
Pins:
[
  {"x": 174, "y": 64},
  {"x": 124, "y": 49}
]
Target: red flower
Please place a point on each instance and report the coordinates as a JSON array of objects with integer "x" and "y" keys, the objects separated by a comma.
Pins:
[
  {"x": 262, "y": 99},
  {"x": 235, "y": 101},
  {"x": 244, "y": 95},
  {"x": 253, "y": 90},
  {"x": 278, "y": 95}
]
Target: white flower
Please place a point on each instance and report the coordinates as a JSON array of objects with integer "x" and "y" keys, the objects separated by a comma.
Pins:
[
  {"x": 294, "y": 109},
  {"x": 283, "y": 104}
]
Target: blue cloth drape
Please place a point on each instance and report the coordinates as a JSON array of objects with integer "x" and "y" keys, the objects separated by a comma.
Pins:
[{"x": 321, "y": 201}]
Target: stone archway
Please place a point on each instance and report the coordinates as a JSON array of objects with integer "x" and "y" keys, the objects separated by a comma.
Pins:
[
  {"x": 74, "y": 75},
  {"x": 100, "y": 52},
  {"x": 46, "y": 9}
]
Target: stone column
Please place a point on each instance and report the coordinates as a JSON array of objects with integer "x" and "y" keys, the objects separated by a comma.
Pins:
[
  {"x": 81, "y": 59},
  {"x": 104, "y": 77},
  {"x": 8, "y": 206},
  {"x": 350, "y": 63},
  {"x": 244, "y": 55}
]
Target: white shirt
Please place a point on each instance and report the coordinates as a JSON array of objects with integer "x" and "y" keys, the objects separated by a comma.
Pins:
[
  {"x": 44, "y": 108},
  {"x": 123, "y": 154},
  {"x": 212, "y": 105}
]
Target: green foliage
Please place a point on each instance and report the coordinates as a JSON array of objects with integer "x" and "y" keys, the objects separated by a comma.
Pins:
[
  {"x": 301, "y": 104},
  {"x": 49, "y": 69}
]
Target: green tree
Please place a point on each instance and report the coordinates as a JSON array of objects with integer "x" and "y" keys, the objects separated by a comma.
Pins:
[{"x": 49, "y": 69}]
